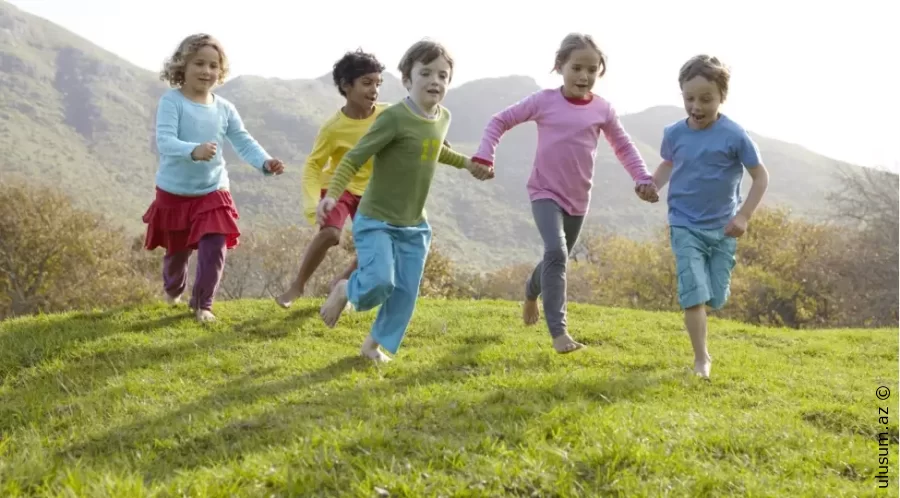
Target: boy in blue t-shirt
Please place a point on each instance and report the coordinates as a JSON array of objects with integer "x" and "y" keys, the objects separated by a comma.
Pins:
[{"x": 704, "y": 157}]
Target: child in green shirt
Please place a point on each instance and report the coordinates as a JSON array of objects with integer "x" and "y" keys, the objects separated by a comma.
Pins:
[{"x": 391, "y": 230}]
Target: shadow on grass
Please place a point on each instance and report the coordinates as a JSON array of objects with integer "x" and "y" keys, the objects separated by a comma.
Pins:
[
  {"x": 65, "y": 376},
  {"x": 415, "y": 425}
]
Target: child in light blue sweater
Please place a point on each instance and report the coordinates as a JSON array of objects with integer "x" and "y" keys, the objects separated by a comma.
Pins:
[{"x": 193, "y": 208}]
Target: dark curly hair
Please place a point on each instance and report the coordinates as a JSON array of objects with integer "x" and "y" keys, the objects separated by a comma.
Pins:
[{"x": 353, "y": 65}]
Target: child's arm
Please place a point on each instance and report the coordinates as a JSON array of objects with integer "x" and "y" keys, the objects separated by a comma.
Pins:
[
  {"x": 312, "y": 173},
  {"x": 760, "y": 176},
  {"x": 505, "y": 120},
  {"x": 244, "y": 144},
  {"x": 452, "y": 158},
  {"x": 662, "y": 174},
  {"x": 379, "y": 135},
  {"x": 167, "y": 142},
  {"x": 625, "y": 150},
  {"x": 750, "y": 158},
  {"x": 664, "y": 170}
]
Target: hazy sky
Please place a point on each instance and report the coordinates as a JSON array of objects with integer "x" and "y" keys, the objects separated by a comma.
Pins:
[{"x": 823, "y": 77}]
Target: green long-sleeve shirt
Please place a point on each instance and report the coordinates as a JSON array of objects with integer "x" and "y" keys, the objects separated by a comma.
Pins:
[{"x": 407, "y": 148}]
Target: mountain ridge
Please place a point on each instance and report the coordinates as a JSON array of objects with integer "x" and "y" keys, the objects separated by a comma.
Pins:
[{"x": 76, "y": 115}]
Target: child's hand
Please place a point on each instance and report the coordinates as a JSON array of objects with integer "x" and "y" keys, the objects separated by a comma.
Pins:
[
  {"x": 647, "y": 192},
  {"x": 274, "y": 166},
  {"x": 737, "y": 226},
  {"x": 479, "y": 171},
  {"x": 325, "y": 207},
  {"x": 204, "y": 152}
]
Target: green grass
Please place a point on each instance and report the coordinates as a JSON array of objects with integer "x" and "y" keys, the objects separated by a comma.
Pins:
[{"x": 146, "y": 402}]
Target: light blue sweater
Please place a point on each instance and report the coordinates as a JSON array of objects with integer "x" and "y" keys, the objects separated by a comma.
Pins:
[{"x": 182, "y": 125}]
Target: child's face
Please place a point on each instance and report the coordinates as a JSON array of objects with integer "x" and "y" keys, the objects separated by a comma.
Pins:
[
  {"x": 701, "y": 101},
  {"x": 428, "y": 82},
  {"x": 363, "y": 93},
  {"x": 579, "y": 72},
  {"x": 201, "y": 71}
]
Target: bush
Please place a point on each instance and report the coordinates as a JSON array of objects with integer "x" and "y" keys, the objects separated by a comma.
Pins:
[{"x": 55, "y": 257}]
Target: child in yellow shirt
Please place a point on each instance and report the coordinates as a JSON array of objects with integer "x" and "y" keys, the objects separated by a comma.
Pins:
[{"x": 357, "y": 76}]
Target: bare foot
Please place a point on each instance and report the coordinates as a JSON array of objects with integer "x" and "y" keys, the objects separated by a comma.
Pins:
[
  {"x": 702, "y": 368},
  {"x": 205, "y": 316},
  {"x": 173, "y": 300},
  {"x": 371, "y": 351},
  {"x": 565, "y": 344},
  {"x": 335, "y": 304},
  {"x": 288, "y": 297},
  {"x": 530, "y": 312}
]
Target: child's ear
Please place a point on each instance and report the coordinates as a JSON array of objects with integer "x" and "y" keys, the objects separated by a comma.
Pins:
[
  {"x": 407, "y": 83},
  {"x": 345, "y": 86}
]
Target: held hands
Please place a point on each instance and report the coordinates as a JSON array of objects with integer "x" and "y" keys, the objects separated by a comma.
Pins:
[
  {"x": 737, "y": 226},
  {"x": 274, "y": 166},
  {"x": 647, "y": 192},
  {"x": 325, "y": 206},
  {"x": 204, "y": 152},
  {"x": 480, "y": 171}
]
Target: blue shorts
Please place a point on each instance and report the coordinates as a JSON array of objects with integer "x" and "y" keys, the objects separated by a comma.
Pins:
[{"x": 704, "y": 260}]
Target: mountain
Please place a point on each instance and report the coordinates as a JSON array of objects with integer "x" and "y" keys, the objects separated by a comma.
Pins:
[{"x": 77, "y": 116}]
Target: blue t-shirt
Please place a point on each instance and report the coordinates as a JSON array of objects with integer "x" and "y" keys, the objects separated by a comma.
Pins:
[
  {"x": 707, "y": 169},
  {"x": 182, "y": 125}
]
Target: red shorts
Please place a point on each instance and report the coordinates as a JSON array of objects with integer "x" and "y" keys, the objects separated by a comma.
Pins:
[
  {"x": 345, "y": 208},
  {"x": 178, "y": 222}
]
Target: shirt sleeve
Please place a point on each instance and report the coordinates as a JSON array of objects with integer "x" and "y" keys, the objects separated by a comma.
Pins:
[
  {"x": 312, "y": 172},
  {"x": 748, "y": 152},
  {"x": 624, "y": 148},
  {"x": 167, "y": 121},
  {"x": 380, "y": 134},
  {"x": 665, "y": 149},
  {"x": 244, "y": 144},
  {"x": 450, "y": 157},
  {"x": 516, "y": 114}
]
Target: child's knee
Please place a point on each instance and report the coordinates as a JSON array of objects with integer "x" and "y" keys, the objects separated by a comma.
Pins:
[
  {"x": 330, "y": 235},
  {"x": 555, "y": 256},
  {"x": 377, "y": 288}
]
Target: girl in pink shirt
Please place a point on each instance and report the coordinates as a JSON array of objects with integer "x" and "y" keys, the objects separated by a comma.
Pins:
[{"x": 570, "y": 120}]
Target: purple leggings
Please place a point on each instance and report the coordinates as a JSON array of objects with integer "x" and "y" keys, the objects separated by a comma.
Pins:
[{"x": 210, "y": 261}]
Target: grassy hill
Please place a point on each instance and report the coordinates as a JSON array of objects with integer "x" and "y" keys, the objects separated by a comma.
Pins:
[
  {"x": 145, "y": 402},
  {"x": 74, "y": 114}
]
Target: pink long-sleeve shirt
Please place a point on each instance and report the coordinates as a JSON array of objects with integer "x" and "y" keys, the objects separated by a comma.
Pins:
[{"x": 568, "y": 134}]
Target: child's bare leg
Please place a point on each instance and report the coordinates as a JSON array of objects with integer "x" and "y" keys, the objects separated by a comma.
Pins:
[
  {"x": 371, "y": 350},
  {"x": 531, "y": 314},
  {"x": 695, "y": 321},
  {"x": 346, "y": 274},
  {"x": 327, "y": 238},
  {"x": 335, "y": 304}
]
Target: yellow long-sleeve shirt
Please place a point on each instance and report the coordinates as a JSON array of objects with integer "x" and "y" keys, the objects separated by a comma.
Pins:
[{"x": 337, "y": 135}]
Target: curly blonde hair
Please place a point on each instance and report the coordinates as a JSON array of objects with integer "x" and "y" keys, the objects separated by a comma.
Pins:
[{"x": 173, "y": 69}]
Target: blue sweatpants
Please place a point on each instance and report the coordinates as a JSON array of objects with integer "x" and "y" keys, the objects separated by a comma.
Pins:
[{"x": 391, "y": 263}]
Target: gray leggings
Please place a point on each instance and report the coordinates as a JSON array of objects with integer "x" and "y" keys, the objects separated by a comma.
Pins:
[{"x": 548, "y": 280}]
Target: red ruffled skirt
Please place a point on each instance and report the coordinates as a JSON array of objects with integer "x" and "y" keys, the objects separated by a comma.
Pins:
[{"x": 178, "y": 222}]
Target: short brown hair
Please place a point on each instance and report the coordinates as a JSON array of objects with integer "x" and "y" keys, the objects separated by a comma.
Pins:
[
  {"x": 173, "y": 69},
  {"x": 710, "y": 68},
  {"x": 573, "y": 42},
  {"x": 423, "y": 51}
]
